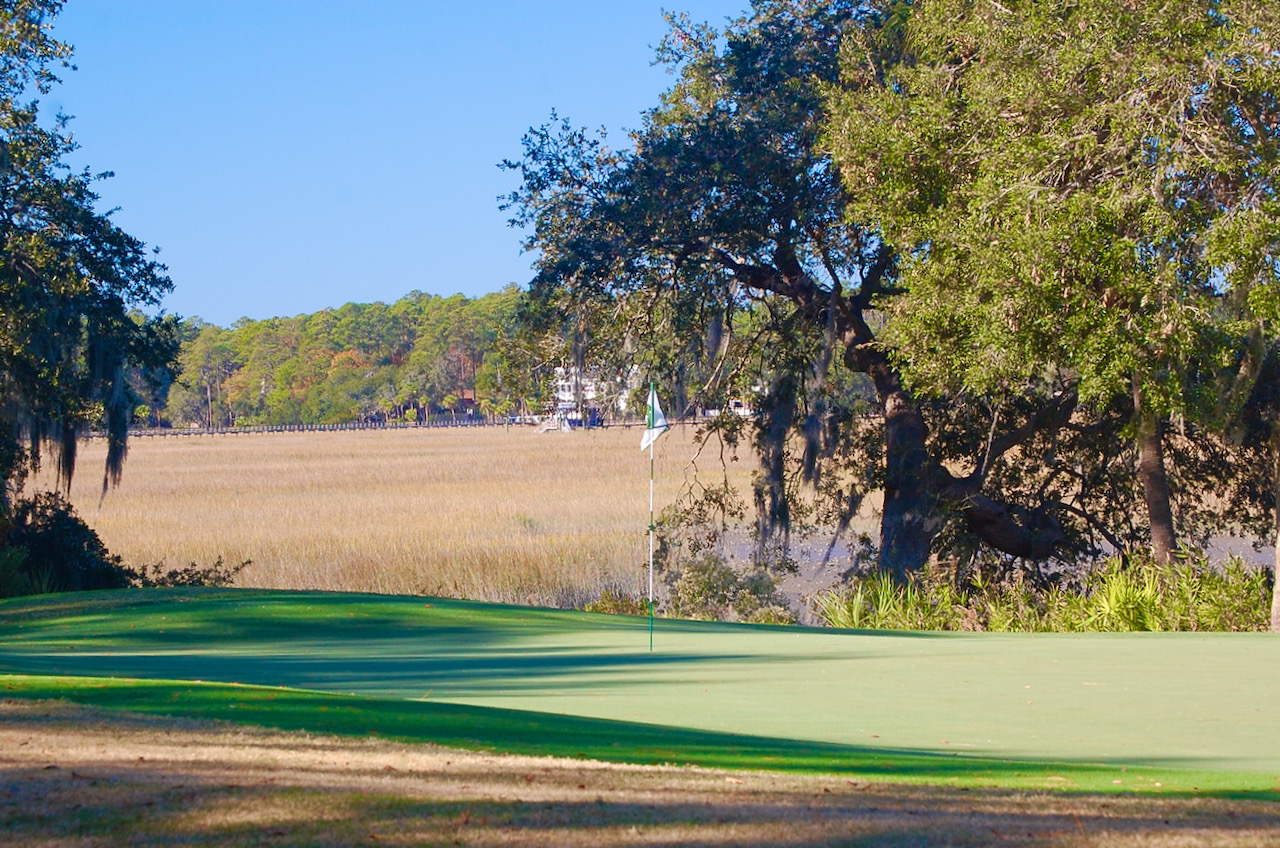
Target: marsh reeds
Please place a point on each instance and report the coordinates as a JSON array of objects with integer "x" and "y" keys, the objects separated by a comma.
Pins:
[{"x": 495, "y": 514}]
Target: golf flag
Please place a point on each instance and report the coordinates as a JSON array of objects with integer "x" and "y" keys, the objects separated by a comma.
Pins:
[
  {"x": 654, "y": 427},
  {"x": 657, "y": 422}
]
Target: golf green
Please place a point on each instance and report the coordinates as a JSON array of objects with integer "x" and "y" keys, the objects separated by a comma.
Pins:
[{"x": 1204, "y": 702}]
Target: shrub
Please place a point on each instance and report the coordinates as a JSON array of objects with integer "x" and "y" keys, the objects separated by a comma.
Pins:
[
  {"x": 617, "y": 602},
  {"x": 58, "y": 551},
  {"x": 50, "y": 549},
  {"x": 12, "y": 581},
  {"x": 708, "y": 588},
  {"x": 704, "y": 589},
  {"x": 219, "y": 575},
  {"x": 1118, "y": 596},
  {"x": 875, "y": 602}
]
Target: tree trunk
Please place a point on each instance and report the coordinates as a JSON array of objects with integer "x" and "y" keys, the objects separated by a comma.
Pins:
[
  {"x": 208, "y": 404},
  {"x": 916, "y": 484},
  {"x": 908, "y": 522},
  {"x": 1155, "y": 482},
  {"x": 908, "y": 518}
]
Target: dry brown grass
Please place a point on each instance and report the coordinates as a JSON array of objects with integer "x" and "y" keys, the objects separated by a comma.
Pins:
[
  {"x": 81, "y": 777},
  {"x": 484, "y": 513}
]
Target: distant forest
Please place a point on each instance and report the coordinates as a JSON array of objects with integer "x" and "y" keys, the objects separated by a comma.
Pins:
[{"x": 420, "y": 356}]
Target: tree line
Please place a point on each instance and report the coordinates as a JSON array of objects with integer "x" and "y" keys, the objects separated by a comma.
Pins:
[{"x": 372, "y": 362}]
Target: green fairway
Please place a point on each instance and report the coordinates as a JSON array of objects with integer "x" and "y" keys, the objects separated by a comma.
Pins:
[{"x": 1182, "y": 710}]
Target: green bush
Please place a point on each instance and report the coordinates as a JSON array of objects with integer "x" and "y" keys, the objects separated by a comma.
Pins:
[
  {"x": 58, "y": 552},
  {"x": 50, "y": 549},
  {"x": 875, "y": 602},
  {"x": 1118, "y": 596},
  {"x": 12, "y": 581},
  {"x": 704, "y": 589},
  {"x": 615, "y": 602},
  {"x": 710, "y": 589},
  {"x": 217, "y": 575}
]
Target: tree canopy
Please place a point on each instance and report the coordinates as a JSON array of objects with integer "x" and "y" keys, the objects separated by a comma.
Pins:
[
  {"x": 1068, "y": 185},
  {"x": 72, "y": 342},
  {"x": 1005, "y": 224},
  {"x": 359, "y": 362}
]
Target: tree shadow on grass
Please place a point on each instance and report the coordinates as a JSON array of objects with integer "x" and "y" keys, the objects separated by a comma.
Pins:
[
  {"x": 136, "y": 618},
  {"x": 380, "y": 670},
  {"x": 548, "y": 734},
  {"x": 874, "y": 819},
  {"x": 396, "y": 647},
  {"x": 339, "y": 792}
]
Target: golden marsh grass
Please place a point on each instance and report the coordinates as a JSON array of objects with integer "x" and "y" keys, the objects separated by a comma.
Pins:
[{"x": 484, "y": 513}]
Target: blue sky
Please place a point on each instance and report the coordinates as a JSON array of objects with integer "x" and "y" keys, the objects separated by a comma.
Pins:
[{"x": 292, "y": 155}]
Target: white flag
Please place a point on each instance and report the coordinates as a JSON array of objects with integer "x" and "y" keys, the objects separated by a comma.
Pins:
[{"x": 657, "y": 422}]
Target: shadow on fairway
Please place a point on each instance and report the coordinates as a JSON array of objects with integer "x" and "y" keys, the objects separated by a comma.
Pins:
[
  {"x": 135, "y": 618},
  {"x": 372, "y": 645},
  {"x": 546, "y": 734},
  {"x": 452, "y": 673},
  {"x": 130, "y": 619}
]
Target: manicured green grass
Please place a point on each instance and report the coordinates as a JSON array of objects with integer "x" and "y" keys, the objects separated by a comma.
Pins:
[{"x": 1154, "y": 712}]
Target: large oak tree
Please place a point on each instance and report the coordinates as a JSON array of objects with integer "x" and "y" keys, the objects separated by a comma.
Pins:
[
  {"x": 1086, "y": 190},
  {"x": 1055, "y": 175},
  {"x": 726, "y": 213}
]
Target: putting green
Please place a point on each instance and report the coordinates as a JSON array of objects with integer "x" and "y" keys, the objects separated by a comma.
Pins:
[{"x": 1204, "y": 702}]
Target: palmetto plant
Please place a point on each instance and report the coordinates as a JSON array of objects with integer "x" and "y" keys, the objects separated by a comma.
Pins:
[{"x": 1118, "y": 596}]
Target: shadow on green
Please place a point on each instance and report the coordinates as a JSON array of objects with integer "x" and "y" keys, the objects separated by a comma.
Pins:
[{"x": 301, "y": 653}]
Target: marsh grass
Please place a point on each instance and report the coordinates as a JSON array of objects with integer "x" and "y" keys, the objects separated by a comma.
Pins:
[{"x": 507, "y": 515}]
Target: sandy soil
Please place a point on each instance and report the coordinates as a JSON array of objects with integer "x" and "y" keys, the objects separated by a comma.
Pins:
[{"x": 78, "y": 777}]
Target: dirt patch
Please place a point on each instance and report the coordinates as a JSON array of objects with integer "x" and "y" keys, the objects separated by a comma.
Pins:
[{"x": 71, "y": 776}]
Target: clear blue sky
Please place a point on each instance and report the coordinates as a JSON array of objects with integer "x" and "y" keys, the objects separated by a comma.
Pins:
[{"x": 291, "y": 155}]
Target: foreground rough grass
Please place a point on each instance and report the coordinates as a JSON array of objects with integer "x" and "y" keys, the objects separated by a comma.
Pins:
[{"x": 77, "y": 776}]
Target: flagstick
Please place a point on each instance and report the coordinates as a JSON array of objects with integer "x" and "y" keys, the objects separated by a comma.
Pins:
[
  {"x": 651, "y": 547},
  {"x": 651, "y": 433}
]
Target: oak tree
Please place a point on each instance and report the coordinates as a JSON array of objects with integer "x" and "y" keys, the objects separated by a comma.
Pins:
[
  {"x": 71, "y": 281},
  {"x": 1085, "y": 191},
  {"x": 726, "y": 219}
]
